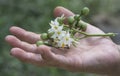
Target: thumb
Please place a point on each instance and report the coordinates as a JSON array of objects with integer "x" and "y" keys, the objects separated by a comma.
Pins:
[{"x": 58, "y": 11}]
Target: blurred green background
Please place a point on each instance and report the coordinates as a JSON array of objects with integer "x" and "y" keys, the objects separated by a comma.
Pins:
[{"x": 34, "y": 15}]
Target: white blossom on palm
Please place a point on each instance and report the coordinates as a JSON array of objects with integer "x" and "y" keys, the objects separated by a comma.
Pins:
[
  {"x": 54, "y": 26},
  {"x": 60, "y": 36},
  {"x": 66, "y": 40}
]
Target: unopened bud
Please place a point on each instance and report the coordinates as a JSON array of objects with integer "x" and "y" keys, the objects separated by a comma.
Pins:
[
  {"x": 44, "y": 36},
  {"x": 82, "y": 26},
  {"x": 85, "y": 11},
  {"x": 71, "y": 19},
  {"x": 47, "y": 43},
  {"x": 40, "y": 43},
  {"x": 76, "y": 17}
]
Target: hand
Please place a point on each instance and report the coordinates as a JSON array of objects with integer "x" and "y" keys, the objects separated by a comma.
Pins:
[{"x": 95, "y": 55}]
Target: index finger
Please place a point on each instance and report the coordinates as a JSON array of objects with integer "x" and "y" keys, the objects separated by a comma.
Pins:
[{"x": 24, "y": 35}]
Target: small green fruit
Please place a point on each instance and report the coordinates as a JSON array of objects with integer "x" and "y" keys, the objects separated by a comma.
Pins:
[
  {"x": 82, "y": 26},
  {"x": 76, "y": 17},
  {"x": 85, "y": 11},
  {"x": 40, "y": 43},
  {"x": 44, "y": 36},
  {"x": 47, "y": 43},
  {"x": 71, "y": 19}
]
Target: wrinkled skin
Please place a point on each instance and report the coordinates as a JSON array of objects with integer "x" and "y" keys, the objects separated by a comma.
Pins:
[{"x": 94, "y": 55}]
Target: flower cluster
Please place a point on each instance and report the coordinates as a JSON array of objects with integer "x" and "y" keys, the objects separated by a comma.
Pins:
[
  {"x": 62, "y": 35},
  {"x": 59, "y": 36}
]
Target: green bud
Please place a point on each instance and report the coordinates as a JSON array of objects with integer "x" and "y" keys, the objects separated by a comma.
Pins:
[
  {"x": 76, "y": 17},
  {"x": 85, "y": 11},
  {"x": 44, "y": 36},
  {"x": 82, "y": 26},
  {"x": 79, "y": 25},
  {"x": 71, "y": 19},
  {"x": 40, "y": 43},
  {"x": 47, "y": 43}
]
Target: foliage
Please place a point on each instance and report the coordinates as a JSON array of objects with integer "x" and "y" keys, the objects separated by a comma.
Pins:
[{"x": 34, "y": 15}]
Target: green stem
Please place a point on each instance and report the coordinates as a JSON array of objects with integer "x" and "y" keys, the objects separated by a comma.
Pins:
[
  {"x": 91, "y": 35},
  {"x": 79, "y": 31},
  {"x": 107, "y": 34},
  {"x": 77, "y": 20}
]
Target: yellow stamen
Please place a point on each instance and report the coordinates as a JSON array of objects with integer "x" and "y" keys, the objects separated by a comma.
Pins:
[
  {"x": 63, "y": 45},
  {"x": 56, "y": 27},
  {"x": 67, "y": 38},
  {"x": 58, "y": 32}
]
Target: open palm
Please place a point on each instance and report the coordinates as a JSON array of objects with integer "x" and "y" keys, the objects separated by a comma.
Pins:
[{"x": 94, "y": 54}]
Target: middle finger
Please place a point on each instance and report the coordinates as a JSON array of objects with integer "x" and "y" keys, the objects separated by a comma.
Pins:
[{"x": 15, "y": 42}]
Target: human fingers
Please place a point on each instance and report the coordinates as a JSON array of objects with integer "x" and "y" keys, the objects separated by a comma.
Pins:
[
  {"x": 51, "y": 58},
  {"x": 58, "y": 11},
  {"x": 24, "y": 35},
  {"x": 15, "y": 42},
  {"x": 27, "y": 56}
]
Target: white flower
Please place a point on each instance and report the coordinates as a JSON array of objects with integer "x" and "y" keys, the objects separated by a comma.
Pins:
[
  {"x": 68, "y": 39},
  {"x": 59, "y": 36},
  {"x": 61, "y": 44},
  {"x": 54, "y": 26},
  {"x": 65, "y": 41},
  {"x": 56, "y": 29},
  {"x": 58, "y": 33}
]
